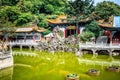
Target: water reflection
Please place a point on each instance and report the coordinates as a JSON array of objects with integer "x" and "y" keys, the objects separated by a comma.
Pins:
[{"x": 6, "y": 74}]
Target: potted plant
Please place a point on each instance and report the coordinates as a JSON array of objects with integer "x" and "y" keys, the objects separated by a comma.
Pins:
[
  {"x": 94, "y": 72},
  {"x": 114, "y": 69},
  {"x": 72, "y": 77}
]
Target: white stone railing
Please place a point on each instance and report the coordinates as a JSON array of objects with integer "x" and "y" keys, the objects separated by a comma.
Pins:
[
  {"x": 5, "y": 55},
  {"x": 23, "y": 43},
  {"x": 102, "y": 46},
  {"x": 6, "y": 60},
  {"x": 95, "y": 47}
]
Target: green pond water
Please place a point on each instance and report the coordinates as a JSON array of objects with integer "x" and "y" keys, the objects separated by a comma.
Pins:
[{"x": 46, "y": 66}]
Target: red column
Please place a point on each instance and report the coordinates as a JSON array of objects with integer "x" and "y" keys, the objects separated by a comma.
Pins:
[
  {"x": 65, "y": 33},
  {"x": 110, "y": 36},
  {"x": 78, "y": 31}
]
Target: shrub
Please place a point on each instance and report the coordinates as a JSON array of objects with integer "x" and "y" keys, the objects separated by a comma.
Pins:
[{"x": 85, "y": 36}]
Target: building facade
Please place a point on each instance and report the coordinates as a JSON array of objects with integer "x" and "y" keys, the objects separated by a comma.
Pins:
[
  {"x": 68, "y": 27},
  {"x": 112, "y": 29}
]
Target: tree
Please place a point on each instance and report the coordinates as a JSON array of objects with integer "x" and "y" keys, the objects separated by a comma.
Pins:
[
  {"x": 49, "y": 9},
  {"x": 106, "y": 9},
  {"x": 8, "y": 2},
  {"x": 42, "y": 21},
  {"x": 25, "y": 6},
  {"x": 94, "y": 28},
  {"x": 8, "y": 16},
  {"x": 79, "y": 9},
  {"x": 36, "y": 6},
  {"x": 85, "y": 36},
  {"x": 58, "y": 5},
  {"x": 26, "y": 19},
  {"x": 9, "y": 13}
]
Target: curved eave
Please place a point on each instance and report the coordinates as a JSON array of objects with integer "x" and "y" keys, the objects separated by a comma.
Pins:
[
  {"x": 109, "y": 27},
  {"x": 41, "y": 30},
  {"x": 105, "y": 25},
  {"x": 31, "y": 31},
  {"x": 22, "y": 31},
  {"x": 52, "y": 22}
]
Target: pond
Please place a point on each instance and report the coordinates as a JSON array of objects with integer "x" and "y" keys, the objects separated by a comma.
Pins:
[{"x": 46, "y": 66}]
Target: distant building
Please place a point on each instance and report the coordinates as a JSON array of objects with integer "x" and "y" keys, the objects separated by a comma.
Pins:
[
  {"x": 112, "y": 28},
  {"x": 29, "y": 34},
  {"x": 25, "y": 34}
]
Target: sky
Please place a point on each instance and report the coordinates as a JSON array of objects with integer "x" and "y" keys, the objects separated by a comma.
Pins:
[{"x": 115, "y": 1}]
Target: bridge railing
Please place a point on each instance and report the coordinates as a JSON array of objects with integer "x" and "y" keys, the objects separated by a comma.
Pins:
[
  {"x": 92, "y": 45},
  {"x": 22, "y": 43},
  {"x": 4, "y": 55}
]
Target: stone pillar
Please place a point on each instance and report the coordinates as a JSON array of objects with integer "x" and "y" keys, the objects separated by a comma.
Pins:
[
  {"x": 30, "y": 47},
  {"x": 10, "y": 49},
  {"x": 21, "y": 47},
  {"x": 79, "y": 53},
  {"x": 94, "y": 52},
  {"x": 110, "y": 52}
]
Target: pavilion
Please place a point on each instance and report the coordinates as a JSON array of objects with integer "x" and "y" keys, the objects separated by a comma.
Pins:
[
  {"x": 112, "y": 29},
  {"x": 68, "y": 26},
  {"x": 25, "y": 34},
  {"x": 29, "y": 34}
]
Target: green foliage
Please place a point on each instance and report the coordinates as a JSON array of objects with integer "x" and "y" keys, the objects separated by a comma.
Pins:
[
  {"x": 52, "y": 16},
  {"x": 26, "y": 18},
  {"x": 25, "y": 6},
  {"x": 42, "y": 21},
  {"x": 36, "y": 6},
  {"x": 8, "y": 2},
  {"x": 28, "y": 12},
  {"x": 49, "y": 9},
  {"x": 9, "y": 13},
  {"x": 46, "y": 32},
  {"x": 94, "y": 28},
  {"x": 106, "y": 9},
  {"x": 58, "y": 5},
  {"x": 79, "y": 7},
  {"x": 8, "y": 16},
  {"x": 85, "y": 36}
]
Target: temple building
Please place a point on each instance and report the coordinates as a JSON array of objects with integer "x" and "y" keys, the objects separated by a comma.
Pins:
[
  {"x": 29, "y": 34},
  {"x": 26, "y": 34},
  {"x": 68, "y": 26},
  {"x": 112, "y": 29}
]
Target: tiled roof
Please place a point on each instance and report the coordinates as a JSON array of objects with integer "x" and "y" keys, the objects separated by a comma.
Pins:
[
  {"x": 63, "y": 19},
  {"x": 105, "y": 25},
  {"x": 60, "y": 19},
  {"x": 30, "y": 28},
  {"x": 108, "y": 24}
]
